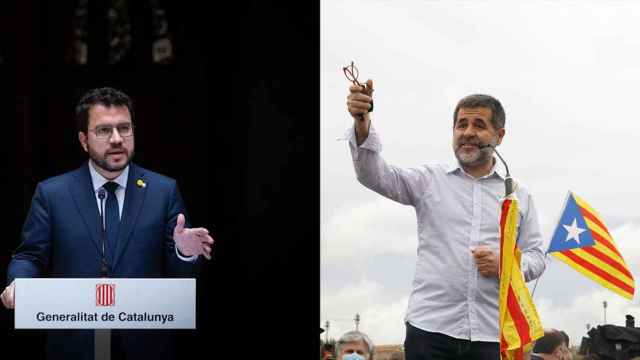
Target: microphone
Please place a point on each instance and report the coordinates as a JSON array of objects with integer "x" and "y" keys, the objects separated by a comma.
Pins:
[
  {"x": 103, "y": 262},
  {"x": 508, "y": 181}
]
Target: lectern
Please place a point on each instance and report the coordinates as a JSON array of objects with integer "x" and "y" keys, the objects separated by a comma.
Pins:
[{"x": 103, "y": 304}]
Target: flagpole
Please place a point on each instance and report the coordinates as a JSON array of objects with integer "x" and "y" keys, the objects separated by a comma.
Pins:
[{"x": 546, "y": 256}]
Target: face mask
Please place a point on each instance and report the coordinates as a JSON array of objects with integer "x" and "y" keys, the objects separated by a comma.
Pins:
[{"x": 353, "y": 356}]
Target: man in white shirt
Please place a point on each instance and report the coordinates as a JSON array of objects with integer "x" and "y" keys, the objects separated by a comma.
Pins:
[{"x": 453, "y": 307}]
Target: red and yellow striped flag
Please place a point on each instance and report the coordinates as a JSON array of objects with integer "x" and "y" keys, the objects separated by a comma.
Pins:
[
  {"x": 582, "y": 241},
  {"x": 519, "y": 322}
]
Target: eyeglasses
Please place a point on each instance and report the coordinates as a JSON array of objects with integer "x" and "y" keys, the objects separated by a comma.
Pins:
[
  {"x": 351, "y": 72},
  {"x": 104, "y": 132}
]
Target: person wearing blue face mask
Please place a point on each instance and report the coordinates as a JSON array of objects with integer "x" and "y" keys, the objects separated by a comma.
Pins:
[
  {"x": 353, "y": 356},
  {"x": 355, "y": 345}
]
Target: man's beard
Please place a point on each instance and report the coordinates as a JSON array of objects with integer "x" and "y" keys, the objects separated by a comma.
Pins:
[
  {"x": 101, "y": 161},
  {"x": 475, "y": 158}
]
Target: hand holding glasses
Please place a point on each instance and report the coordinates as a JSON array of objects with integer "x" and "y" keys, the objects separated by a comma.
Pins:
[{"x": 351, "y": 72}]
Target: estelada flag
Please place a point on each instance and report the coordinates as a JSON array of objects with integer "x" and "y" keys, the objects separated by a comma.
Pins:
[
  {"x": 519, "y": 321},
  {"x": 582, "y": 241}
]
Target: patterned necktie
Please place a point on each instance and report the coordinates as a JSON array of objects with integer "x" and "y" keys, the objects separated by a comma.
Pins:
[{"x": 112, "y": 220}]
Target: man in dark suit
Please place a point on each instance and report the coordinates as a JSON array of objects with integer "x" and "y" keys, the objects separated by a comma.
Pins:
[{"x": 145, "y": 230}]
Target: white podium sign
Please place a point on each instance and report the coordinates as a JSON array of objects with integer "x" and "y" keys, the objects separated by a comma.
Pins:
[{"x": 105, "y": 303}]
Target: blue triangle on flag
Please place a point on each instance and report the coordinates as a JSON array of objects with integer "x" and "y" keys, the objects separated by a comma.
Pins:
[{"x": 572, "y": 231}]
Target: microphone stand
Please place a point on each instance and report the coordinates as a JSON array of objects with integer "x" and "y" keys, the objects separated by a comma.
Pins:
[
  {"x": 102, "y": 337},
  {"x": 508, "y": 189},
  {"x": 103, "y": 261},
  {"x": 508, "y": 180}
]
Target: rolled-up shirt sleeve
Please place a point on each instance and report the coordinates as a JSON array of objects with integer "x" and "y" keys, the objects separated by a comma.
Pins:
[{"x": 403, "y": 185}]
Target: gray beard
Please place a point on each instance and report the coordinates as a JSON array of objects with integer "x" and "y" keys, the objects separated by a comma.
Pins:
[{"x": 476, "y": 158}]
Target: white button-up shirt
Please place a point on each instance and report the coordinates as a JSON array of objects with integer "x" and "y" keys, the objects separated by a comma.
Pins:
[
  {"x": 455, "y": 212},
  {"x": 99, "y": 181}
]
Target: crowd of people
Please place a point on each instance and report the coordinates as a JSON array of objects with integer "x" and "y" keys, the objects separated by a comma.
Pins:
[{"x": 356, "y": 345}]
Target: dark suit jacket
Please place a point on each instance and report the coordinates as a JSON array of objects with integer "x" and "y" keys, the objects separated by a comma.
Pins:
[{"x": 61, "y": 238}]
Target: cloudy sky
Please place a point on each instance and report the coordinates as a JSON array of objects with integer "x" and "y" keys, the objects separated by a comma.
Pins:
[{"x": 568, "y": 75}]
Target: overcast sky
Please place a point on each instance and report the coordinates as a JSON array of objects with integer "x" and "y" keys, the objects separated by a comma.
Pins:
[{"x": 568, "y": 76}]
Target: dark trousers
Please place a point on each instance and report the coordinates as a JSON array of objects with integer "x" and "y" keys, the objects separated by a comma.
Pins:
[{"x": 425, "y": 345}]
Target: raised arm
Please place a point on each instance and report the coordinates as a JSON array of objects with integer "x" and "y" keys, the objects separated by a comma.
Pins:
[
  {"x": 359, "y": 103},
  {"x": 402, "y": 185}
]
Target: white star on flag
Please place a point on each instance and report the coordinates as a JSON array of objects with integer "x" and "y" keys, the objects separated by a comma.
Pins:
[{"x": 573, "y": 231}]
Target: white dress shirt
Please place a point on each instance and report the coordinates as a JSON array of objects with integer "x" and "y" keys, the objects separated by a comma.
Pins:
[
  {"x": 98, "y": 183},
  {"x": 455, "y": 212}
]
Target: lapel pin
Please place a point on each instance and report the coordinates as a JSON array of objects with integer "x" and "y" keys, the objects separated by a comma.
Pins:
[{"x": 141, "y": 183}]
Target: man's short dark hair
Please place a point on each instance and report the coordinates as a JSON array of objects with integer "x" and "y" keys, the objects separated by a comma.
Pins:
[
  {"x": 486, "y": 101},
  {"x": 105, "y": 96},
  {"x": 549, "y": 342}
]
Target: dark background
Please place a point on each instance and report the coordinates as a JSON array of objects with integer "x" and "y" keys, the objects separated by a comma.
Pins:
[{"x": 234, "y": 118}]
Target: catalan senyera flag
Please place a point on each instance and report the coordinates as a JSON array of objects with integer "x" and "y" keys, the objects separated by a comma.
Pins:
[
  {"x": 519, "y": 321},
  {"x": 582, "y": 241}
]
